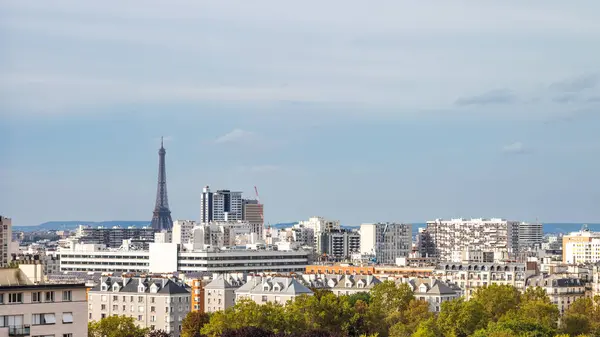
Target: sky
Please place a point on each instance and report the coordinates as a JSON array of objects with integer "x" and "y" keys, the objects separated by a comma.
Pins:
[{"x": 352, "y": 110}]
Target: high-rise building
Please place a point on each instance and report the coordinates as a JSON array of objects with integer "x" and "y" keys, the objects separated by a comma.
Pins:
[
  {"x": 182, "y": 231},
  {"x": 253, "y": 213},
  {"x": 451, "y": 237},
  {"x": 161, "y": 217},
  {"x": 531, "y": 235},
  {"x": 319, "y": 224},
  {"x": 387, "y": 241},
  {"x": 5, "y": 240},
  {"x": 113, "y": 237},
  {"x": 338, "y": 245},
  {"x": 222, "y": 205}
]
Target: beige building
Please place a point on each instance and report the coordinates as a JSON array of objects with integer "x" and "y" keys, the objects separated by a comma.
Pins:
[
  {"x": 155, "y": 303},
  {"x": 271, "y": 289},
  {"x": 220, "y": 293},
  {"x": 32, "y": 306},
  {"x": 581, "y": 247},
  {"x": 341, "y": 284},
  {"x": 435, "y": 292},
  {"x": 472, "y": 276},
  {"x": 561, "y": 289}
]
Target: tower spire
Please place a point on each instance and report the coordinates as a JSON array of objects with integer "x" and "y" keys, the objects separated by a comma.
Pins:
[{"x": 161, "y": 217}]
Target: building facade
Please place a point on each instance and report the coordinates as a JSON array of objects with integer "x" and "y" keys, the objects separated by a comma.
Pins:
[
  {"x": 182, "y": 231},
  {"x": 435, "y": 292},
  {"x": 338, "y": 245},
  {"x": 29, "y": 306},
  {"x": 219, "y": 294},
  {"x": 271, "y": 289},
  {"x": 168, "y": 258},
  {"x": 562, "y": 290},
  {"x": 222, "y": 205},
  {"x": 531, "y": 235},
  {"x": 581, "y": 247},
  {"x": 387, "y": 241},
  {"x": 450, "y": 237},
  {"x": 472, "y": 276},
  {"x": 253, "y": 213},
  {"x": 5, "y": 240},
  {"x": 155, "y": 303},
  {"x": 113, "y": 237}
]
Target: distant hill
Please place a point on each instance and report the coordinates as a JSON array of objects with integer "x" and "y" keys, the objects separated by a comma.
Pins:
[{"x": 57, "y": 225}]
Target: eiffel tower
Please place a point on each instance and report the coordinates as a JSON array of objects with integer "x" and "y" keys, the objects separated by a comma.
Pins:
[{"x": 161, "y": 218}]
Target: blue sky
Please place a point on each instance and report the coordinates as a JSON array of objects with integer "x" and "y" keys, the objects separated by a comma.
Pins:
[{"x": 353, "y": 110}]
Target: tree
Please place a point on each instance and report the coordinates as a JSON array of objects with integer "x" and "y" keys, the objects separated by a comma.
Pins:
[
  {"x": 329, "y": 313},
  {"x": 582, "y": 317},
  {"x": 115, "y": 326},
  {"x": 460, "y": 318},
  {"x": 497, "y": 300},
  {"x": 388, "y": 301},
  {"x": 157, "y": 333},
  {"x": 247, "y": 331},
  {"x": 362, "y": 296},
  {"x": 193, "y": 323},
  {"x": 427, "y": 328}
]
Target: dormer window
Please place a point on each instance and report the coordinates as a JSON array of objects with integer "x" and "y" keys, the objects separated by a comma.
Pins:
[
  {"x": 277, "y": 288},
  {"x": 104, "y": 287},
  {"x": 115, "y": 287},
  {"x": 360, "y": 285},
  {"x": 348, "y": 285},
  {"x": 266, "y": 287},
  {"x": 141, "y": 288},
  {"x": 154, "y": 289}
]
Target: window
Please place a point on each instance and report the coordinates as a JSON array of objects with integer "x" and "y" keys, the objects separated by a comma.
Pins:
[
  {"x": 152, "y": 309},
  {"x": 67, "y": 318},
  {"x": 141, "y": 308},
  {"x": 264, "y": 298},
  {"x": 132, "y": 308},
  {"x": 124, "y": 307},
  {"x": 103, "y": 307},
  {"x": 36, "y": 296},
  {"x": 140, "y": 318},
  {"x": 67, "y": 335},
  {"x": 15, "y": 298},
  {"x": 103, "y": 298},
  {"x": 43, "y": 319},
  {"x": 115, "y": 298},
  {"x": 67, "y": 296},
  {"x": 1, "y": 298},
  {"x": 151, "y": 299},
  {"x": 115, "y": 307},
  {"x": 140, "y": 299}
]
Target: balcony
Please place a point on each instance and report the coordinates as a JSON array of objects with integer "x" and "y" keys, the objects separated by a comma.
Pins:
[{"x": 19, "y": 330}]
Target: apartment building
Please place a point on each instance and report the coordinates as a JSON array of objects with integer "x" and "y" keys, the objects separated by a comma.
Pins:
[
  {"x": 155, "y": 303},
  {"x": 182, "y": 231},
  {"x": 341, "y": 284},
  {"x": 113, "y": 237},
  {"x": 450, "y": 237},
  {"x": 31, "y": 306},
  {"x": 581, "y": 247},
  {"x": 387, "y": 241},
  {"x": 530, "y": 235},
  {"x": 271, "y": 289},
  {"x": 219, "y": 294},
  {"x": 472, "y": 276},
  {"x": 168, "y": 258},
  {"x": 319, "y": 224},
  {"x": 561, "y": 289},
  {"x": 338, "y": 245},
  {"x": 435, "y": 292}
]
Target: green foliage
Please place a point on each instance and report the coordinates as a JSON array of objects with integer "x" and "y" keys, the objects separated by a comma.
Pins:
[
  {"x": 115, "y": 326},
  {"x": 157, "y": 333},
  {"x": 193, "y": 323},
  {"x": 391, "y": 310},
  {"x": 497, "y": 300}
]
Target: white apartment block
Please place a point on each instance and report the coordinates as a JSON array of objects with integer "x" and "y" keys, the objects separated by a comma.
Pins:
[
  {"x": 271, "y": 289},
  {"x": 562, "y": 290},
  {"x": 338, "y": 245},
  {"x": 485, "y": 235},
  {"x": 581, "y": 247},
  {"x": 341, "y": 284},
  {"x": 387, "y": 241},
  {"x": 30, "y": 306},
  {"x": 304, "y": 236},
  {"x": 155, "y": 303},
  {"x": 182, "y": 231},
  {"x": 169, "y": 257},
  {"x": 319, "y": 224},
  {"x": 472, "y": 276}
]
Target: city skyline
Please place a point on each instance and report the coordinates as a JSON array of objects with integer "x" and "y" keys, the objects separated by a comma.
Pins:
[{"x": 410, "y": 113}]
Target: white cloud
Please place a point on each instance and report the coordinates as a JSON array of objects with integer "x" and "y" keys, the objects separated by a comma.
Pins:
[
  {"x": 514, "y": 148},
  {"x": 236, "y": 136}
]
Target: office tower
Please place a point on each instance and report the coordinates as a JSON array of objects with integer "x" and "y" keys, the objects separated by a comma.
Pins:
[
  {"x": 387, "y": 241},
  {"x": 222, "y": 205},
  {"x": 253, "y": 213},
  {"x": 5, "y": 240},
  {"x": 530, "y": 235},
  {"x": 113, "y": 237},
  {"x": 161, "y": 217}
]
